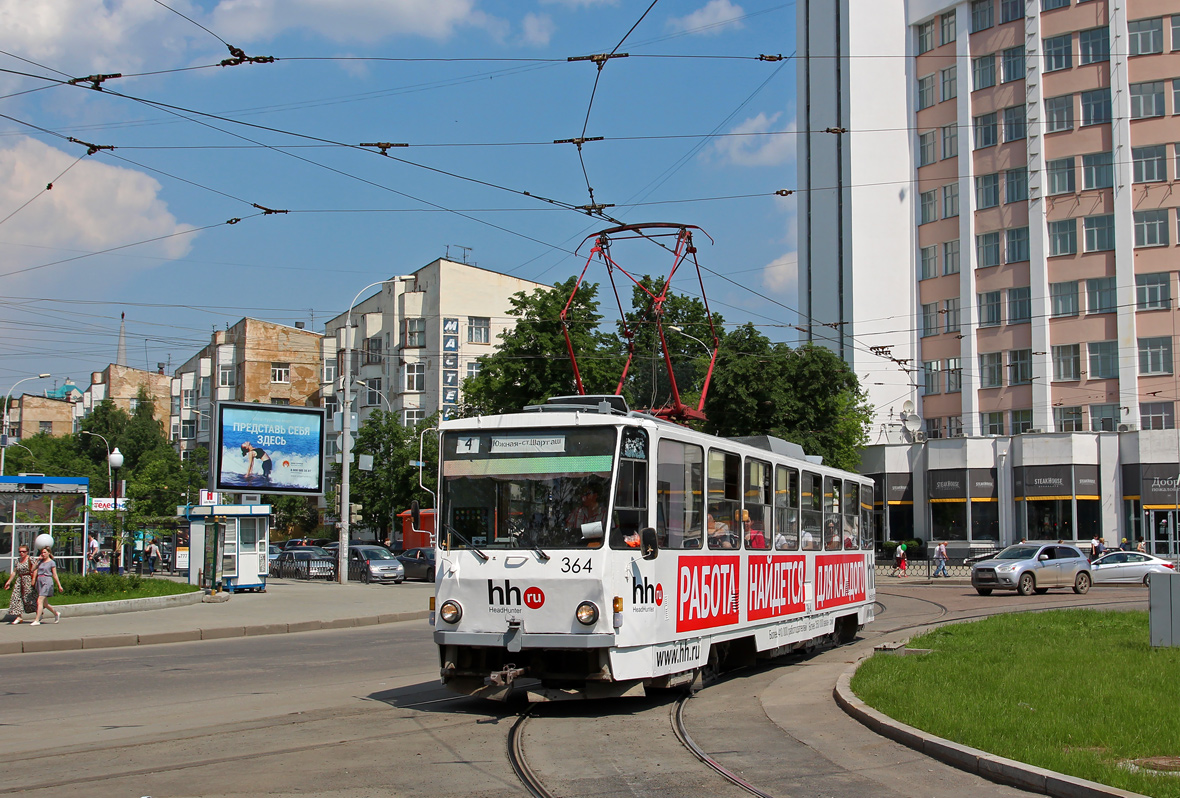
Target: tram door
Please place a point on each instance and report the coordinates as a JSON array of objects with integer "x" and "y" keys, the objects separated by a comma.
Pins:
[{"x": 1161, "y": 525}]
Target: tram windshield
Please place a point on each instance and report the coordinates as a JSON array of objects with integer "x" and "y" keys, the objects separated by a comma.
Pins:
[{"x": 525, "y": 489}]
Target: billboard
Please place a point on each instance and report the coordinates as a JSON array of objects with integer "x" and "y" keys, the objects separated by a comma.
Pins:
[{"x": 269, "y": 449}]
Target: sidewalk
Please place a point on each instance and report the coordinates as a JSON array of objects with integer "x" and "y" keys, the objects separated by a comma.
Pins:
[{"x": 286, "y": 606}]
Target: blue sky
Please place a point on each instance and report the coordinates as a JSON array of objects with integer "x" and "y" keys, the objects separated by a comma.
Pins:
[{"x": 478, "y": 89}]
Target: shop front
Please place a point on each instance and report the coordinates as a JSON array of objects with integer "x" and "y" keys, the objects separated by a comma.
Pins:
[
  {"x": 964, "y": 505},
  {"x": 893, "y": 506},
  {"x": 1057, "y": 502},
  {"x": 1154, "y": 513}
]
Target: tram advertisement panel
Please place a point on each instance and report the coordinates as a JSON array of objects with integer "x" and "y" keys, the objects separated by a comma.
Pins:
[
  {"x": 707, "y": 590},
  {"x": 839, "y": 580},
  {"x": 776, "y": 586}
]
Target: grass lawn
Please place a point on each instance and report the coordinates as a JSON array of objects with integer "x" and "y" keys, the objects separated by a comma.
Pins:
[
  {"x": 1080, "y": 692},
  {"x": 104, "y": 587}
]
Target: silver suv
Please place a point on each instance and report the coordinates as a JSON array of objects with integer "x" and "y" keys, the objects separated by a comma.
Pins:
[{"x": 1029, "y": 568}]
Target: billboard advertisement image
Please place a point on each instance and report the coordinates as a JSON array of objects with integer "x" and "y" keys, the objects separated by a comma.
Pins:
[{"x": 269, "y": 448}]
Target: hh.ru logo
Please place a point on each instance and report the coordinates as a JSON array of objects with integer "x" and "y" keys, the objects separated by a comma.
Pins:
[{"x": 509, "y": 595}]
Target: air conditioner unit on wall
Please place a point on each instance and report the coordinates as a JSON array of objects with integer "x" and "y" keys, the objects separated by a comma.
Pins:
[
  {"x": 919, "y": 437},
  {"x": 1033, "y": 431},
  {"x": 1127, "y": 427}
]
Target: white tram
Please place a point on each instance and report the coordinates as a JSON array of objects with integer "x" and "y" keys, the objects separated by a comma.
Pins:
[{"x": 588, "y": 551}]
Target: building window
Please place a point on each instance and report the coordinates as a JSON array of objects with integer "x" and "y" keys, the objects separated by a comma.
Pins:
[
  {"x": 950, "y": 257},
  {"x": 1067, "y": 363},
  {"x": 1150, "y": 164},
  {"x": 227, "y": 376},
  {"x": 1049, "y": 5},
  {"x": 987, "y": 250},
  {"x": 1104, "y": 418},
  {"x": 985, "y": 131},
  {"x": 45, "y": 427},
  {"x": 1104, "y": 359},
  {"x": 175, "y": 407},
  {"x": 1146, "y": 36},
  {"x": 1099, "y": 233},
  {"x": 950, "y": 83},
  {"x": 1067, "y": 419},
  {"x": 1022, "y": 421},
  {"x": 280, "y": 372},
  {"x": 1019, "y": 305},
  {"x": 1063, "y": 237},
  {"x": 948, "y": 24},
  {"x": 1020, "y": 367},
  {"x": 187, "y": 398},
  {"x": 412, "y": 417},
  {"x": 954, "y": 426},
  {"x": 1157, "y": 415},
  {"x": 373, "y": 394},
  {"x": 206, "y": 387},
  {"x": 1012, "y": 64},
  {"x": 1151, "y": 228},
  {"x": 1096, "y": 107},
  {"x": 928, "y": 262},
  {"x": 983, "y": 72},
  {"x": 928, "y": 206},
  {"x": 1155, "y": 355},
  {"x": 188, "y": 429},
  {"x": 950, "y": 201},
  {"x": 1101, "y": 295},
  {"x": 925, "y": 92},
  {"x": 1016, "y": 247},
  {"x": 331, "y": 406},
  {"x": 930, "y": 319},
  {"x": 930, "y": 377},
  {"x": 1064, "y": 298},
  {"x": 954, "y": 374},
  {"x": 1153, "y": 291},
  {"x": 951, "y": 309},
  {"x": 1016, "y": 185},
  {"x": 133, "y": 404},
  {"x": 1147, "y": 99},
  {"x": 982, "y": 15},
  {"x": 1176, "y": 82},
  {"x": 415, "y": 379},
  {"x": 279, "y": 400},
  {"x": 1058, "y": 52},
  {"x": 991, "y": 423},
  {"x": 473, "y": 369},
  {"x": 479, "y": 330},
  {"x": 1011, "y": 10},
  {"x": 925, "y": 36},
  {"x": 950, "y": 141},
  {"x": 373, "y": 351},
  {"x": 990, "y": 309},
  {"x": 1015, "y": 123},
  {"x": 415, "y": 333},
  {"x": 1175, "y": 33},
  {"x": 1098, "y": 170},
  {"x": 926, "y": 148},
  {"x": 1094, "y": 45},
  {"x": 203, "y": 419},
  {"x": 1061, "y": 176},
  {"x": 330, "y": 370},
  {"x": 991, "y": 370},
  {"x": 934, "y": 428},
  {"x": 987, "y": 191},
  {"x": 1059, "y": 113}
]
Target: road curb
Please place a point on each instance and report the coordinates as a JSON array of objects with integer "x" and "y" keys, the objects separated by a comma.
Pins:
[
  {"x": 129, "y": 605},
  {"x": 192, "y": 635},
  {"x": 981, "y": 763}
]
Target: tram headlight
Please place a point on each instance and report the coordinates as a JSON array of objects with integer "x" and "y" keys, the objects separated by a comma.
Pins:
[
  {"x": 587, "y": 613},
  {"x": 450, "y": 611}
]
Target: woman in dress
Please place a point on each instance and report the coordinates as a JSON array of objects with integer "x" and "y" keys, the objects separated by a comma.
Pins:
[
  {"x": 46, "y": 578},
  {"x": 24, "y": 597}
]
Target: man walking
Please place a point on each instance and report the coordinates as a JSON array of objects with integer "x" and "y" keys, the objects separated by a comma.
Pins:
[{"x": 940, "y": 560}]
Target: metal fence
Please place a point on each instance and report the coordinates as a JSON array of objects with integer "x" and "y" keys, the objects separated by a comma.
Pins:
[
  {"x": 314, "y": 568},
  {"x": 925, "y": 568}
]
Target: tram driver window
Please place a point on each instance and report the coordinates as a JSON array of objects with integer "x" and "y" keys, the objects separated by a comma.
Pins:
[
  {"x": 680, "y": 476},
  {"x": 813, "y": 513},
  {"x": 833, "y": 489},
  {"x": 724, "y": 484},
  {"x": 866, "y": 517},
  {"x": 851, "y": 517},
  {"x": 630, "y": 511},
  {"x": 786, "y": 509},
  {"x": 756, "y": 516}
]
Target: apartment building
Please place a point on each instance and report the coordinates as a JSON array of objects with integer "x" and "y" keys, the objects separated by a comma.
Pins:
[
  {"x": 29, "y": 415},
  {"x": 1041, "y": 232},
  {"x": 121, "y": 384}
]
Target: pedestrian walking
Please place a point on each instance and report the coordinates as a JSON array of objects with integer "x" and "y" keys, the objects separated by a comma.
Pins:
[
  {"x": 92, "y": 548},
  {"x": 24, "y": 597},
  {"x": 940, "y": 560},
  {"x": 152, "y": 555},
  {"x": 899, "y": 560},
  {"x": 46, "y": 579}
]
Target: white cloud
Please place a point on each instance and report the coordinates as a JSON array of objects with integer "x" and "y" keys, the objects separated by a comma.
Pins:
[
  {"x": 538, "y": 29},
  {"x": 781, "y": 275},
  {"x": 714, "y": 17},
  {"x": 94, "y": 206},
  {"x": 365, "y": 21},
  {"x": 757, "y": 150}
]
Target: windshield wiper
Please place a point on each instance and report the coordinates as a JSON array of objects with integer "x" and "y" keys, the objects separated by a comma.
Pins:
[{"x": 451, "y": 531}]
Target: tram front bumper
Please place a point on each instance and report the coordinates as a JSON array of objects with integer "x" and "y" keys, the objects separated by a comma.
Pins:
[{"x": 524, "y": 639}]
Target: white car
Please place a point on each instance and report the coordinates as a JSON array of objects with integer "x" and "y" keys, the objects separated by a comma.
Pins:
[{"x": 1129, "y": 567}]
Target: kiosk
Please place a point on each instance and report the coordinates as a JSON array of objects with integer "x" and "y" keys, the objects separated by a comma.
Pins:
[{"x": 228, "y": 545}]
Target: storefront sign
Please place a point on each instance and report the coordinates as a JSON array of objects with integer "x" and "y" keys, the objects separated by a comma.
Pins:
[
  {"x": 1085, "y": 481},
  {"x": 1038, "y": 482},
  {"x": 982, "y": 484},
  {"x": 899, "y": 489},
  {"x": 1159, "y": 484},
  {"x": 947, "y": 485}
]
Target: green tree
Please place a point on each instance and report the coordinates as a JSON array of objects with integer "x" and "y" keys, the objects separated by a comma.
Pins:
[
  {"x": 532, "y": 362},
  {"x": 807, "y": 395},
  {"x": 297, "y": 516}
]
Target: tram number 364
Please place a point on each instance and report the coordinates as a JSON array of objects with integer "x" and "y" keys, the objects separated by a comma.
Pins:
[{"x": 575, "y": 566}]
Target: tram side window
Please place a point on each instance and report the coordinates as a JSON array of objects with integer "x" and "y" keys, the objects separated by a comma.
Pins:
[
  {"x": 832, "y": 520},
  {"x": 866, "y": 517},
  {"x": 630, "y": 510},
  {"x": 725, "y": 494},
  {"x": 813, "y": 512},
  {"x": 756, "y": 516},
  {"x": 679, "y": 495},
  {"x": 851, "y": 517},
  {"x": 786, "y": 509}
]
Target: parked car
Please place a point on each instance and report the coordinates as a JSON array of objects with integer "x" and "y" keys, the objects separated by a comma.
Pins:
[
  {"x": 296, "y": 542},
  {"x": 418, "y": 563},
  {"x": 303, "y": 563},
  {"x": 1129, "y": 567},
  {"x": 375, "y": 564},
  {"x": 1031, "y": 568},
  {"x": 273, "y": 552}
]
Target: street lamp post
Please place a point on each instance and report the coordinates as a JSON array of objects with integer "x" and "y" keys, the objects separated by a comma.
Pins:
[
  {"x": 115, "y": 461},
  {"x": 7, "y": 402},
  {"x": 110, "y": 483}
]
